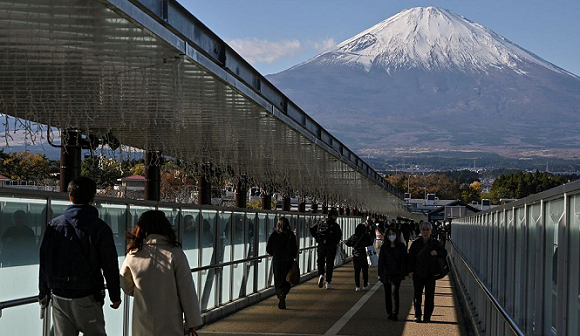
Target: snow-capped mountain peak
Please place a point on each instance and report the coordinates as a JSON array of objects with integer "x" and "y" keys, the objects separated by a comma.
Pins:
[{"x": 431, "y": 38}]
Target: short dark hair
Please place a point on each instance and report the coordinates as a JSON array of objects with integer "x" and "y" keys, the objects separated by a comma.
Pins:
[
  {"x": 332, "y": 213},
  {"x": 82, "y": 190}
]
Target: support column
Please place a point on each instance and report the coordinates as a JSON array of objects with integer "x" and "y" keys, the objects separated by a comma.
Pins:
[
  {"x": 325, "y": 208},
  {"x": 302, "y": 207},
  {"x": 341, "y": 211},
  {"x": 286, "y": 203},
  {"x": 70, "y": 158},
  {"x": 266, "y": 201},
  {"x": 314, "y": 207},
  {"x": 204, "y": 186},
  {"x": 348, "y": 211},
  {"x": 241, "y": 194},
  {"x": 152, "y": 176}
]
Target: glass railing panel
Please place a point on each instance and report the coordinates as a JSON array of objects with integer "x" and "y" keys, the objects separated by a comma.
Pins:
[
  {"x": 115, "y": 215},
  {"x": 172, "y": 215},
  {"x": 554, "y": 212},
  {"x": 263, "y": 236},
  {"x": 210, "y": 255},
  {"x": 534, "y": 219},
  {"x": 240, "y": 238},
  {"x": 520, "y": 286},
  {"x": 191, "y": 236},
  {"x": 22, "y": 221},
  {"x": 135, "y": 212},
  {"x": 574, "y": 266},
  {"x": 225, "y": 232},
  {"x": 22, "y": 320}
]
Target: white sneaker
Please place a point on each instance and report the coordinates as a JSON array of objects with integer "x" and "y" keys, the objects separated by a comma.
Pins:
[
  {"x": 357, "y": 289},
  {"x": 328, "y": 285},
  {"x": 367, "y": 286},
  {"x": 320, "y": 281}
]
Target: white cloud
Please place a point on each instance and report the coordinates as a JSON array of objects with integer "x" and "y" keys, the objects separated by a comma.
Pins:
[
  {"x": 263, "y": 51},
  {"x": 323, "y": 46}
]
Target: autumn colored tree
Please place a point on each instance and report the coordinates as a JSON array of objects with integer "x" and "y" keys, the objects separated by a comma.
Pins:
[{"x": 26, "y": 166}]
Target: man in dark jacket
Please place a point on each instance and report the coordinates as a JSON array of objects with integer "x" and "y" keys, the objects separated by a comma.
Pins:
[
  {"x": 327, "y": 235},
  {"x": 76, "y": 247},
  {"x": 423, "y": 256}
]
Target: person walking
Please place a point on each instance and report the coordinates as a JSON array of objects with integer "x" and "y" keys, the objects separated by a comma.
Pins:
[
  {"x": 423, "y": 255},
  {"x": 392, "y": 270},
  {"x": 77, "y": 246},
  {"x": 359, "y": 241},
  {"x": 327, "y": 234},
  {"x": 156, "y": 273},
  {"x": 282, "y": 245}
]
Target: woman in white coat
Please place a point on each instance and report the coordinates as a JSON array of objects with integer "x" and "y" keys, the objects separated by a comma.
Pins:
[{"x": 156, "y": 273}]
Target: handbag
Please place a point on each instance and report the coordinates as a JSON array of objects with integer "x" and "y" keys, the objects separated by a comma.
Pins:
[
  {"x": 338, "y": 256},
  {"x": 293, "y": 276},
  {"x": 372, "y": 258},
  {"x": 442, "y": 268}
]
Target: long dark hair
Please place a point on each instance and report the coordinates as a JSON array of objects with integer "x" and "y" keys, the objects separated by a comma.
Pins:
[
  {"x": 283, "y": 225},
  {"x": 151, "y": 222}
]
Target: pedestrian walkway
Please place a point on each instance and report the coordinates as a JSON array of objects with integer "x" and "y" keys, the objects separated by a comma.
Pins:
[{"x": 314, "y": 311}]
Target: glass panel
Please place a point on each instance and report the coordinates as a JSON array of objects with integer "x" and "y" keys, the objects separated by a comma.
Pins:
[
  {"x": 554, "y": 212},
  {"x": 135, "y": 211},
  {"x": 520, "y": 285},
  {"x": 251, "y": 265},
  {"x": 534, "y": 217},
  {"x": 172, "y": 215},
  {"x": 22, "y": 320},
  {"x": 209, "y": 256},
  {"x": 116, "y": 216},
  {"x": 574, "y": 267},
  {"x": 225, "y": 247},
  {"x": 262, "y": 241},
  {"x": 239, "y": 249},
  {"x": 191, "y": 235},
  {"x": 22, "y": 222}
]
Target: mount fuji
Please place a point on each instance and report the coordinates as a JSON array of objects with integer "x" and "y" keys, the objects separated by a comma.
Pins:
[{"x": 428, "y": 80}]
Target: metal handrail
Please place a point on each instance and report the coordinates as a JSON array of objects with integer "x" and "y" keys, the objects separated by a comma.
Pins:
[
  {"x": 513, "y": 325},
  {"x": 34, "y": 299}
]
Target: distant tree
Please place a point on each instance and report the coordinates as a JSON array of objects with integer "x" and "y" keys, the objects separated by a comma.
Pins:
[
  {"x": 105, "y": 171},
  {"x": 420, "y": 184},
  {"x": 25, "y": 166},
  {"x": 471, "y": 193},
  {"x": 523, "y": 184}
]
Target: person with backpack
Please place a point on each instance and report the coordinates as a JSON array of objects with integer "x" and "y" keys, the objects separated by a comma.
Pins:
[
  {"x": 156, "y": 273},
  {"x": 423, "y": 255},
  {"x": 392, "y": 270},
  {"x": 283, "y": 247},
  {"x": 76, "y": 247},
  {"x": 327, "y": 234},
  {"x": 359, "y": 241}
]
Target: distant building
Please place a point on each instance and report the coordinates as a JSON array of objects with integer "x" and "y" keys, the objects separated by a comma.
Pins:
[
  {"x": 4, "y": 181},
  {"x": 131, "y": 187}
]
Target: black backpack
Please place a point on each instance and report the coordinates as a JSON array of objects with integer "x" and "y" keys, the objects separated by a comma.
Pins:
[{"x": 325, "y": 233}]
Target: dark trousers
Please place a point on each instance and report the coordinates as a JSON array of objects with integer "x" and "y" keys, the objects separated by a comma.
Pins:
[
  {"x": 392, "y": 295},
  {"x": 280, "y": 269},
  {"x": 429, "y": 285},
  {"x": 326, "y": 256},
  {"x": 361, "y": 264}
]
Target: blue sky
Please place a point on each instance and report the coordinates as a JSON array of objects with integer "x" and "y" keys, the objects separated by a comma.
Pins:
[{"x": 274, "y": 35}]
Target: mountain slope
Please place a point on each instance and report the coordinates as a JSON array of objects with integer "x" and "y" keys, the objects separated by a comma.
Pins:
[{"x": 427, "y": 79}]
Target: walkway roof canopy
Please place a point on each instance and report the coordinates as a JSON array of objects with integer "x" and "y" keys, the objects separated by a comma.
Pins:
[{"x": 154, "y": 77}]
